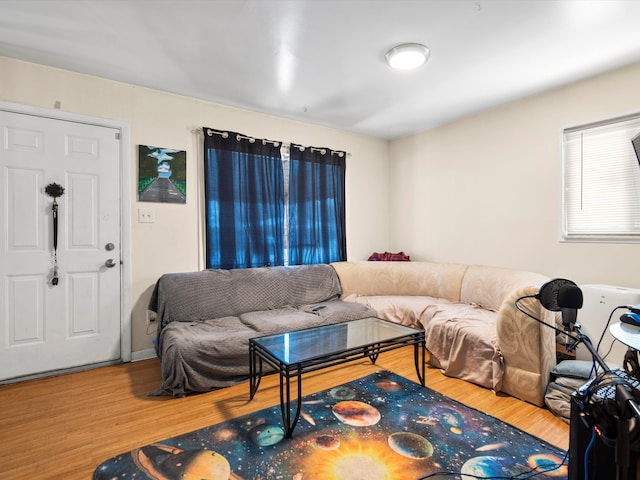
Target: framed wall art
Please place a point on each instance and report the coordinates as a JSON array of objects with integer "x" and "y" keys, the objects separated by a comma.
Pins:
[{"x": 162, "y": 174}]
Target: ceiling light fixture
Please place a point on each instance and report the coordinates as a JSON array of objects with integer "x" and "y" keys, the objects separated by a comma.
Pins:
[{"x": 407, "y": 56}]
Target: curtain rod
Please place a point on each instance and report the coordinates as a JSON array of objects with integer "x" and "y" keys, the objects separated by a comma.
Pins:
[
  {"x": 275, "y": 143},
  {"x": 322, "y": 151},
  {"x": 239, "y": 137}
]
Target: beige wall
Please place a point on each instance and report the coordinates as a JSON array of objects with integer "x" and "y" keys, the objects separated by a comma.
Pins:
[
  {"x": 483, "y": 190},
  {"x": 487, "y": 189},
  {"x": 173, "y": 242}
]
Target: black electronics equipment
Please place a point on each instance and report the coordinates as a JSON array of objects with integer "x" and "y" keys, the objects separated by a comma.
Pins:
[
  {"x": 634, "y": 308},
  {"x": 549, "y": 292},
  {"x": 635, "y": 141},
  {"x": 631, "y": 319},
  {"x": 608, "y": 404},
  {"x": 569, "y": 300},
  {"x": 562, "y": 295},
  {"x": 602, "y": 454}
]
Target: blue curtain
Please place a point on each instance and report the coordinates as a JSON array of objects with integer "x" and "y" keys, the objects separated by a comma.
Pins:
[
  {"x": 244, "y": 198},
  {"x": 316, "y": 206}
]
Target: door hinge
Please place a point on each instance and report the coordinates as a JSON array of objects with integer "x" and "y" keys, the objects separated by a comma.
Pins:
[{"x": 117, "y": 135}]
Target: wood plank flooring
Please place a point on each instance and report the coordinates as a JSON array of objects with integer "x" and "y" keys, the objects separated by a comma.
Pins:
[{"x": 64, "y": 427}]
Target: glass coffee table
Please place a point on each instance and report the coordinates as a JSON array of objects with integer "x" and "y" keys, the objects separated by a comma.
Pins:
[{"x": 302, "y": 351}]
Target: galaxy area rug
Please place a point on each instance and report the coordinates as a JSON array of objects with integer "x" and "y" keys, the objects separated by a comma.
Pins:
[{"x": 382, "y": 426}]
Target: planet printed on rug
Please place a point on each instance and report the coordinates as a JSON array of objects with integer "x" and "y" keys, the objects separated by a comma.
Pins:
[
  {"x": 379, "y": 427},
  {"x": 356, "y": 414}
]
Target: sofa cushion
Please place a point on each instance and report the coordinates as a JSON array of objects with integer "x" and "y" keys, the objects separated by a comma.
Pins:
[
  {"x": 463, "y": 338},
  {"x": 489, "y": 286},
  {"x": 268, "y": 322},
  {"x": 558, "y": 396},
  {"x": 580, "y": 369},
  {"x": 209, "y": 294},
  {"x": 200, "y": 356},
  {"x": 408, "y": 310},
  {"x": 441, "y": 280}
]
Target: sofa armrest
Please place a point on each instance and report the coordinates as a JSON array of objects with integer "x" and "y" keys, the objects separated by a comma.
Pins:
[{"x": 527, "y": 346}]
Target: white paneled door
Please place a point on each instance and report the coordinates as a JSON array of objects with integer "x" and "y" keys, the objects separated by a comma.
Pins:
[{"x": 43, "y": 326}]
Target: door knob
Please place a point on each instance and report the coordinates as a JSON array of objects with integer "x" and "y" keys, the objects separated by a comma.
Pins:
[{"x": 110, "y": 263}]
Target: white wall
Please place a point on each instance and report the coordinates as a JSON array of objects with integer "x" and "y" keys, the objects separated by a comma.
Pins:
[
  {"x": 483, "y": 190},
  {"x": 173, "y": 242},
  {"x": 487, "y": 189}
]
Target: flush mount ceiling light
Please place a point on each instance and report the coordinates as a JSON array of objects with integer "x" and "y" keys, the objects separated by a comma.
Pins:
[{"x": 407, "y": 56}]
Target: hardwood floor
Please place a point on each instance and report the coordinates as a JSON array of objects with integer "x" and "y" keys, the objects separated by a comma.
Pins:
[{"x": 64, "y": 427}]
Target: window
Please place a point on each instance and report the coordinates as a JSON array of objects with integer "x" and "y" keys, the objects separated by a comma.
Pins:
[
  {"x": 267, "y": 205},
  {"x": 601, "y": 182}
]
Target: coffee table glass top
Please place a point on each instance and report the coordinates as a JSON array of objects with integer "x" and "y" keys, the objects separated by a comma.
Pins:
[{"x": 302, "y": 345}]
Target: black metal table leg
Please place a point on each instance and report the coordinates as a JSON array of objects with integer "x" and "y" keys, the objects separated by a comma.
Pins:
[
  {"x": 285, "y": 401},
  {"x": 255, "y": 370},
  {"x": 372, "y": 351},
  {"x": 419, "y": 360}
]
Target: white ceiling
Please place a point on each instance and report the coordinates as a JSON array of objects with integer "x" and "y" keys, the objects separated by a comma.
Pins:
[{"x": 322, "y": 61}]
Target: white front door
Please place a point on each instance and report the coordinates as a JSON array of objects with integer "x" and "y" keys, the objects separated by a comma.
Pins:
[{"x": 47, "y": 327}]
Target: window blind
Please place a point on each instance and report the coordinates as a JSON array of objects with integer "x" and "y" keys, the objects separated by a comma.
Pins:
[{"x": 601, "y": 182}]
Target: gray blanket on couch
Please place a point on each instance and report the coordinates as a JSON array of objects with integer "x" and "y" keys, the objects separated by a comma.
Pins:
[{"x": 205, "y": 319}]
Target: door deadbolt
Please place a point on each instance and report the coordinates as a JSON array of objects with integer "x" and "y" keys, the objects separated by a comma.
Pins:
[{"x": 109, "y": 246}]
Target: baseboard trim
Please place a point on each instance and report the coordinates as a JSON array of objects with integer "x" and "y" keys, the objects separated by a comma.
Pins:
[{"x": 143, "y": 355}]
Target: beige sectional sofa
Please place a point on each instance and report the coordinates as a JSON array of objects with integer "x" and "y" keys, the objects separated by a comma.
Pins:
[{"x": 473, "y": 329}]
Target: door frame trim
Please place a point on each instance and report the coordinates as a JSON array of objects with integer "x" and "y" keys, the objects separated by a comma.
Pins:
[{"x": 125, "y": 204}]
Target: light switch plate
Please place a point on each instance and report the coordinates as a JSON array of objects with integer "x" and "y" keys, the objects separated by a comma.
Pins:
[{"x": 146, "y": 215}]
